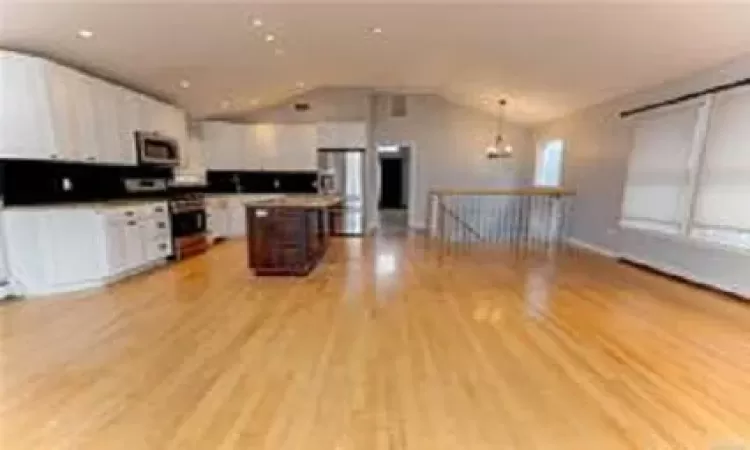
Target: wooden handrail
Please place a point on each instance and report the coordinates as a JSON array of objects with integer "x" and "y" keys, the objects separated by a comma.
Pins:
[{"x": 529, "y": 191}]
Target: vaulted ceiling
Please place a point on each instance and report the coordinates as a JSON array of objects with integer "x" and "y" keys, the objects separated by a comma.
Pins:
[{"x": 547, "y": 58}]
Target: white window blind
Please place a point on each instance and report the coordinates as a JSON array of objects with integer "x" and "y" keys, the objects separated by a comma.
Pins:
[
  {"x": 657, "y": 192},
  {"x": 722, "y": 209}
]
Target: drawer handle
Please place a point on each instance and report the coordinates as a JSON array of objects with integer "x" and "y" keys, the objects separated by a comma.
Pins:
[
  {"x": 131, "y": 223},
  {"x": 90, "y": 158},
  {"x": 161, "y": 225},
  {"x": 159, "y": 209},
  {"x": 129, "y": 213},
  {"x": 162, "y": 246}
]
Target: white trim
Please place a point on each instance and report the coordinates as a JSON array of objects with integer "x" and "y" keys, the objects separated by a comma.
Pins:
[
  {"x": 40, "y": 292},
  {"x": 681, "y": 273},
  {"x": 592, "y": 248}
]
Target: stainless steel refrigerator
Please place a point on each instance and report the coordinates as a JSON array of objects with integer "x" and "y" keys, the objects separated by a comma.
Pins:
[{"x": 341, "y": 172}]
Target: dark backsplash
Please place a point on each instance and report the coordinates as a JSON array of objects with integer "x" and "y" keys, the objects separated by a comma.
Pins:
[
  {"x": 40, "y": 182},
  {"x": 44, "y": 182},
  {"x": 226, "y": 181}
]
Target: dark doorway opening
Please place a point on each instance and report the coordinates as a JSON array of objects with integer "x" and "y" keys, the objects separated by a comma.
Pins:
[{"x": 392, "y": 183}]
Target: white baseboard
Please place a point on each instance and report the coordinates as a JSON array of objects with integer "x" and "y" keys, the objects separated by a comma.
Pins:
[
  {"x": 33, "y": 292},
  {"x": 688, "y": 276},
  {"x": 592, "y": 248}
]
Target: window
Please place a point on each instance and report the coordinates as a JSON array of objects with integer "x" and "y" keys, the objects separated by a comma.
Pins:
[
  {"x": 722, "y": 204},
  {"x": 549, "y": 164},
  {"x": 689, "y": 170},
  {"x": 659, "y": 173}
]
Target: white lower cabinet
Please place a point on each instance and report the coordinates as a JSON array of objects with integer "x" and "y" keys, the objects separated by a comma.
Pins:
[
  {"x": 217, "y": 216},
  {"x": 226, "y": 217},
  {"x": 59, "y": 249},
  {"x": 227, "y": 214},
  {"x": 237, "y": 226}
]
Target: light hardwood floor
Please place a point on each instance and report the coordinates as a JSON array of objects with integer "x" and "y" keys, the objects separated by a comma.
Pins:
[{"x": 383, "y": 347}]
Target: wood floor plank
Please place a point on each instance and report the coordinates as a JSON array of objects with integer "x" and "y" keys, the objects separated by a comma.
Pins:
[{"x": 385, "y": 346}]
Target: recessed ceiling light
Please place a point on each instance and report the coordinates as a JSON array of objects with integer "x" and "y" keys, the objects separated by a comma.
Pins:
[
  {"x": 376, "y": 30},
  {"x": 279, "y": 51},
  {"x": 184, "y": 84},
  {"x": 270, "y": 37},
  {"x": 85, "y": 34},
  {"x": 300, "y": 84},
  {"x": 257, "y": 22}
]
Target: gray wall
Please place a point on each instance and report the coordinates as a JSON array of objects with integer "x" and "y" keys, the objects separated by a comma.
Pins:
[
  {"x": 597, "y": 147},
  {"x": 447, "y": 144}
]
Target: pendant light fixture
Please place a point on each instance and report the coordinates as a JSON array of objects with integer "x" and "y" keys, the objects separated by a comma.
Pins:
[{"x": 500, "y": 148}]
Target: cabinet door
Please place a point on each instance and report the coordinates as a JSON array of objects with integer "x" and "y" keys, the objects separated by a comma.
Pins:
[
  {"x": 299, "y": 147},
  {"x": 342, "y": 135},
  {"x": 266, "y": 144},
  {"x": 64, "y": 117},
  {"x": 107, "y": 122},
  {"x": 73, "y": 114},
  {"x": 150, "y": 114},
  {"x": 255, "y": 150},
  {"x": 176, "y": 126},
  {"x": 25, "y": 125},
  {"x": 225, "y": 146},
  {"x": 116, "y": 246},
  {"x": 214, "y": 145},
  {"x": 135, "y": 251},
  {"x": 128, "y": 113},
  {"x": 293, "y": 148},
  {"x": 236, "y": 219},
  {"x": 67, "y": 231}
]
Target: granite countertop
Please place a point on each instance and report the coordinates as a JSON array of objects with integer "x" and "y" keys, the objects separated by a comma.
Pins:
[
  {"x": 297, "y": 201},
  {"x": 86, "y": 205}
]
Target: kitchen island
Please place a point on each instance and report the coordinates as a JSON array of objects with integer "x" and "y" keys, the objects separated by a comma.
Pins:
[{"x": 288, "y": 235}]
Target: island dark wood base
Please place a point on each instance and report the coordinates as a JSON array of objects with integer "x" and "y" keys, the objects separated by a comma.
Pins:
[{"x": 284, "y": 241}]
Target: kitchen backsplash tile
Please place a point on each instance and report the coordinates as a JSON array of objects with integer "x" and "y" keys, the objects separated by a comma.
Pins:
[{"x": 40, "y": 182}]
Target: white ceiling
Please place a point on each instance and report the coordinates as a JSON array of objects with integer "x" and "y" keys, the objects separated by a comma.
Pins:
[{"x": 547, "y": 58}]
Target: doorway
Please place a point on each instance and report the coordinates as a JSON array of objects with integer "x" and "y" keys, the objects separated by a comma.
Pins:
[
  {"x": 392, "y": 182},
  {"x": 393, "y": 201}
]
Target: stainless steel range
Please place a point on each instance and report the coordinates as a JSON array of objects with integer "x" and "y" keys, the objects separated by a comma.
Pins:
[{"x": 188, "y": 214}]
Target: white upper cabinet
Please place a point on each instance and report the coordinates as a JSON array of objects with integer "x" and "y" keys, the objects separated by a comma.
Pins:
[
  {"x": 109, "y": 120},
  {"x": 25, "y": 120},
  {"x": 49, "y": 111},
  {"x": 128, "y": 123},
  {"x": 263, "y": 146},
  {"x": 223, "y": 145},
  {"x": 342, "y": 135},
  {"x": 295, "y": 148}
]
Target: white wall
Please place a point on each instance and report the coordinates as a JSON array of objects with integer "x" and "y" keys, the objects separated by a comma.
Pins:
[{"x": 597, "y": 146}]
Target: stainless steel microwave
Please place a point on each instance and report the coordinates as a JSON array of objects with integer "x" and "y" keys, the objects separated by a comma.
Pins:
[{"x": 156, "y": 149}]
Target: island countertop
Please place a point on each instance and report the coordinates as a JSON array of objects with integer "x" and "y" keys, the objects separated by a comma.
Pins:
[{"x": 296, "y": 202}]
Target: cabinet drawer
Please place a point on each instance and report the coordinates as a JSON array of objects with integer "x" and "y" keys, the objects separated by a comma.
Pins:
[{"x": 158, "y": 250}]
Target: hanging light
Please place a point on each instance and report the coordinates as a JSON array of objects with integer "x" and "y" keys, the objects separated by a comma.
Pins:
[{"x": 500, "y": 148}]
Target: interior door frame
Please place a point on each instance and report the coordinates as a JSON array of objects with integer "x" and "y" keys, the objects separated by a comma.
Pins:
[{"x": 411, "y": 160}]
